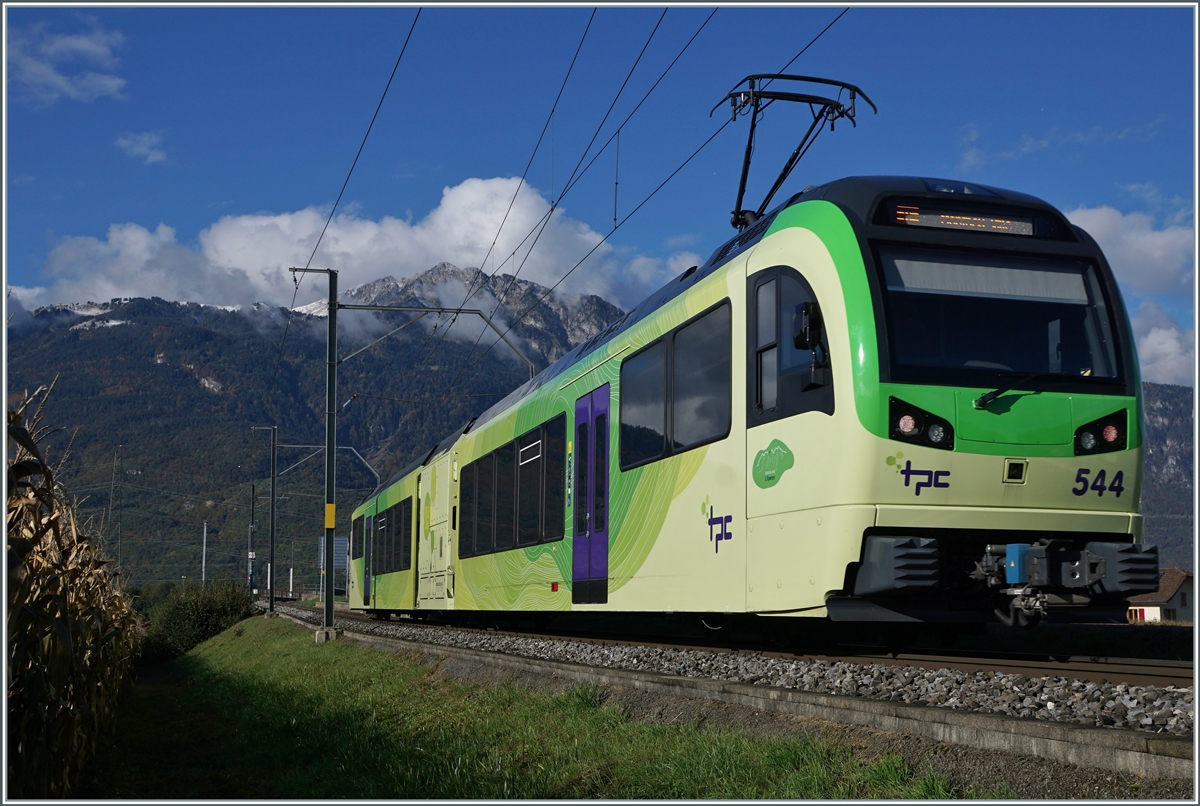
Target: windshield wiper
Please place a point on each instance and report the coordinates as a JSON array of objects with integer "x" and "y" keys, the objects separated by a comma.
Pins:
[{"x": 988, "y": 397}]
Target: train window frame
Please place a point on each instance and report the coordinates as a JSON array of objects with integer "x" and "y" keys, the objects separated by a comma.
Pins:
[
  {"x": 668, "y": 341},
  {"x": 467, "y": 499},
  {"x": 376, "y": 541},
  {"x": 664, "y": 450},
  {"x": 547, "y": 469},
  {"x": 356, "y": 537},
  {"x": 404, "y": 534},
  {"x": 554, "y": 435},
  {"x": 1099, "y": 280},
  {"x": 725, "y": 392},
  {"x": 382, "y": 563},
  {"x": 505, "y": 512},
  {"x": 795, "y": 393},
  {"x": 530, "y": 487},
  {"x": 485, "y": 503}
]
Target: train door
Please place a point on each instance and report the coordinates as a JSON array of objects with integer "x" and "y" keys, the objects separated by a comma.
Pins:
[
  {"x": 434, "y": 549},
  {"x": 368, "y": 589},
  {"x": 589, "y": 575}
]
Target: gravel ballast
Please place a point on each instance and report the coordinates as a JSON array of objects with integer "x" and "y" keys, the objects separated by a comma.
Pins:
[{"x": 1154, "y": 709}]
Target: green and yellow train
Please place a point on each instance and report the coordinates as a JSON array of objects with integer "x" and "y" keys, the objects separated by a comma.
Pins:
[{"x": 889, "y": 399}]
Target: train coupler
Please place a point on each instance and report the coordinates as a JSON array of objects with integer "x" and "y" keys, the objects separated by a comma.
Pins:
[{"x": 1025, "y": 608}]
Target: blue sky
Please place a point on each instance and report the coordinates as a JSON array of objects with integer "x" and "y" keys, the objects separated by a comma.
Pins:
[{"x": 194, "y": 153}]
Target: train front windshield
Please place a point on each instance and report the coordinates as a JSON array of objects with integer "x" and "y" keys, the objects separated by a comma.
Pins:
[{"x": 970, "y": 318}]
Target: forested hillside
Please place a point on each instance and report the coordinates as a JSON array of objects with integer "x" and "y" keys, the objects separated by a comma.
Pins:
[
  {"x": 1167, "y": 492},
  {"x": 157, "y": 400}
]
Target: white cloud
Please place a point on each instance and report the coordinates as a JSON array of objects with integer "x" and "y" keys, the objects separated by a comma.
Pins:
[
  {"x": 134, "y": 262},
  {"x": 1174, "y": 209},
  {"x": 245, "y": 257},
  {"x": 142, "y": 144},
  {"x": 1145, "y": 260},
  {"x": 45, "y": 66},
  {"x": 973, "y": 156},
  {"x": 1166, "y": 351}
]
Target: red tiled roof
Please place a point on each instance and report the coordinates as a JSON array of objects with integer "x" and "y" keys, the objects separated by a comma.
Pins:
[{"x": 1169, "y": 580}]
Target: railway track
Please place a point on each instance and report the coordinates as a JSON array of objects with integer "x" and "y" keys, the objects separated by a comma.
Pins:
[{"x": 1091, "y": 668}]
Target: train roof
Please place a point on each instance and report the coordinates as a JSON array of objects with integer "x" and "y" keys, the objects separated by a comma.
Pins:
[
  {"x": 857, "y": 195},
  {"x": 860, "y": 194}
]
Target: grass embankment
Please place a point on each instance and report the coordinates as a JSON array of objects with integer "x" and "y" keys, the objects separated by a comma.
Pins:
[{"x": 261, "y": 711}]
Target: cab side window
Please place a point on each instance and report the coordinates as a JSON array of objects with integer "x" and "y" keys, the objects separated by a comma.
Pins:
[{"x": 789, "y": 364}]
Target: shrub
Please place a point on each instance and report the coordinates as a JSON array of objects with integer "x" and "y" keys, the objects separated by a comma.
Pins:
[
  {"x": 147, "y": 597},
  {"x": 72, "y": 637},
  {"x": 193, "y": 613}
]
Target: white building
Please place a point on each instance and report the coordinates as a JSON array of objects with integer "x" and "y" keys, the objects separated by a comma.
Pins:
[{"x": 1173, "y": 601}]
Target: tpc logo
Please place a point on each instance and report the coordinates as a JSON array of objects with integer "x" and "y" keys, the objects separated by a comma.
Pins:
[
  {"x": 718, "y": 525},
  {"x": 932, "y": 478}
]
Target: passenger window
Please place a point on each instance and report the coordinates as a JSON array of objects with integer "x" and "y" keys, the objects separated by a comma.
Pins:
[
  {"x": 554, "y": 500},
  {"x": 644, "y": 406},
  {"x": 701, "y": 402},
  {"x": 376, "y": 546},
  {"x": 356, "y": 539},
  {"x": 485, "y": 487},
  {"x": 506, "y": 498},
  {"x": 404, "y": 530},
  {"x": 466, "y": 515},
  {"x": 529, "y": 488},
  {"x": 383, "y": 549}
]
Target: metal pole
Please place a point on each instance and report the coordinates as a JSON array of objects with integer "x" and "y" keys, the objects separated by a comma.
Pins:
[
  {"x": 204, "y": 556},
  {"x": 119, "y": 503},
  {"x": 291, "y": 570},
  {"x": 250, "y": 541},
  {"x": 271, "y": 573},
  {"x": 330, "y": 447}
]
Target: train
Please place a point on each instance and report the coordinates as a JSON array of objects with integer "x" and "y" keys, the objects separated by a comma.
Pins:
[{"x": 889, "y": 399}]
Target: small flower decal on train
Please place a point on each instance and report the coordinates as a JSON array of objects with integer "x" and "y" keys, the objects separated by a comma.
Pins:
[{"x": 718, "y": 527}]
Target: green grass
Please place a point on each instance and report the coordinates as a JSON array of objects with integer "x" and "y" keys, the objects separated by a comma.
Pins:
[{"x": 261, "y": 711}]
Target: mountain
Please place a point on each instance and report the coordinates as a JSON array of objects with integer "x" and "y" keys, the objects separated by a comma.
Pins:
[
  {"x": 159, "y": 399},
  {"x": 551, "y": 325},
  {"x": 1167, "y": 491}
]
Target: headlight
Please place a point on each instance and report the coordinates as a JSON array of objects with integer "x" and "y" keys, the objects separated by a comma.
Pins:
[
  {"x": 908, "y": 423},
  {"x": 1103, "y": 435}
]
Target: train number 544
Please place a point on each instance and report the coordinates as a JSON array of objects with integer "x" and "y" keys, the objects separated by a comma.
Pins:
[{"x": 1099, "y": 485}]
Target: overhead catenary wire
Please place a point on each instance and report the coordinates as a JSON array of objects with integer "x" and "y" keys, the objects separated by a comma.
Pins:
[
  {"x": 472, "y": 289},
  {"x": 333, "y": 210},
  {"x": 582, "y": 157},
  {"x": 559, "y": 282},
  {"x": 539, "y": 226},
  {"x": 603, "y": 240}
]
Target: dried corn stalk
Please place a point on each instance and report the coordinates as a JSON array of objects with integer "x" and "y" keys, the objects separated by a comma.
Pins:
[{"x": 72, "y": 637}]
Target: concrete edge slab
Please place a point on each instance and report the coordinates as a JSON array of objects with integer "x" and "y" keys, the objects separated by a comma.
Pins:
[{"x": 1147, "y": 754}]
